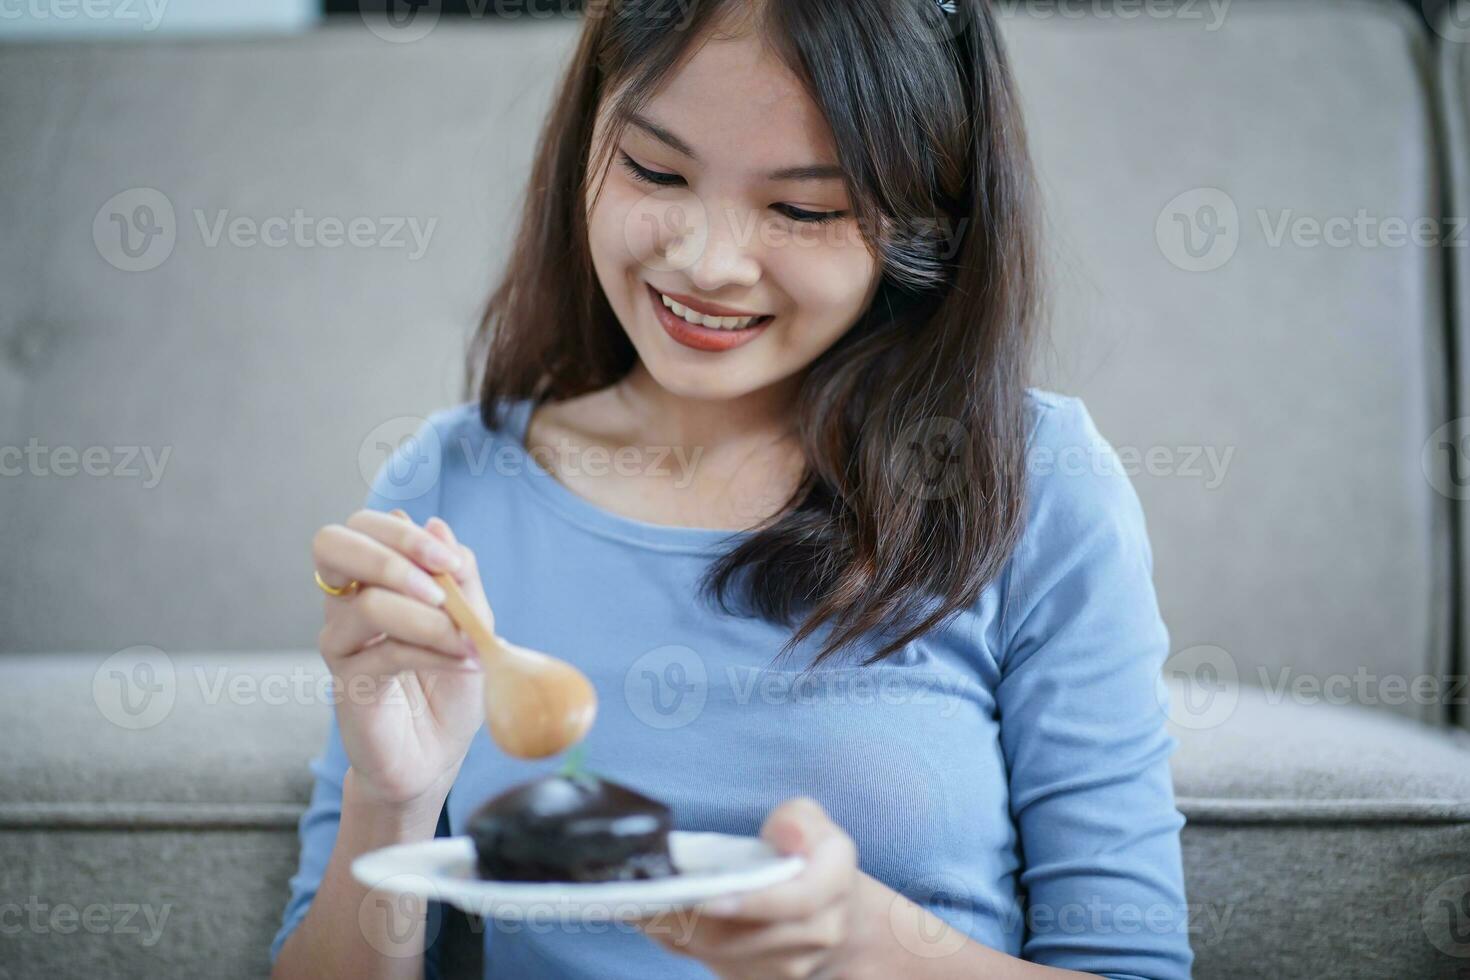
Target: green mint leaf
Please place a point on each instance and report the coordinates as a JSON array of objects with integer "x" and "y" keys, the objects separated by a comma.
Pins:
[{"x": 572, "y": 766}]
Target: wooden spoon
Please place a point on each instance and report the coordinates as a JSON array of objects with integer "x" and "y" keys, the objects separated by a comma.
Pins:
[{"x": 535, "y": 704}]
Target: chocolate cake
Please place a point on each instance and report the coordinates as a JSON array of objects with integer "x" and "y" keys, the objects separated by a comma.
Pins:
[{"x": 572, "y": 828}]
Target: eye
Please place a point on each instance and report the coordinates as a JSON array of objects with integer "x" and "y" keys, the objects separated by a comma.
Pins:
[
  {"x": 660, "y": 179},
  {"x": 656, "y": 177},
  {"x": 813, "y": 217}
]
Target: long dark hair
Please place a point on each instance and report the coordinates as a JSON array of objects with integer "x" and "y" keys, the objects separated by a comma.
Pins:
[{"x": 913, "y": 424}]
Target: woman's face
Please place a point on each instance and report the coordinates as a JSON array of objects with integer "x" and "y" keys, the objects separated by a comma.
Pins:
[{"x": 694, "y": 205}]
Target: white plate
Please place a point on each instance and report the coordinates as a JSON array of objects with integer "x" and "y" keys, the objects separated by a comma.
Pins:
[{"x": 709, "y": 865}]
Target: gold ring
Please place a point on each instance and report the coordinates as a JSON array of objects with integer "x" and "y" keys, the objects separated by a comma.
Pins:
[{"x": 349, "y": 587}]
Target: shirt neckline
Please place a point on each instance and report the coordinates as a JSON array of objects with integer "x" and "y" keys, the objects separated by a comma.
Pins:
[{"x": 584, "y": 513}]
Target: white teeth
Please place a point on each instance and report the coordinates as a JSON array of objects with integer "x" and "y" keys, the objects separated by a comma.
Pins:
[{"x": 699, "y": 319}]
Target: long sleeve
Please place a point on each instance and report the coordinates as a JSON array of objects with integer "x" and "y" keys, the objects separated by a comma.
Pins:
[
  {"x": 317, "y": 831},
  {"x": 1083, "y": 709},
  {"x": 410, "y": 477}
]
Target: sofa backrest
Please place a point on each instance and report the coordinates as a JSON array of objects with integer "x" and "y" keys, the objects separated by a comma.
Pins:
[
  {"x": 1271, "y": 387},
  {"x": 1234, "y": 215},
  {"x": 1449, "y": 446}
]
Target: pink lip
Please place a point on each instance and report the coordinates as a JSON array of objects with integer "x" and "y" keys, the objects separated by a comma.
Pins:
[{"x": 701, "y": 338}]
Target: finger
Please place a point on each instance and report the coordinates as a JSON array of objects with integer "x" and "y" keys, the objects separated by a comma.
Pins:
[
  {"x": 407, "y": 538},
  {"x": 320, "y": 545},
  {"x": 440, "y": 528},
  {"x": 793, "y": 957},
  {"x": 799, "y": 826},
  {"x": 811, "y": 966},
  {"x": 469, "y": 569},
  {"x": 378, "y": 610},
  {"x": 333, "y": 580},
  {"x": 827, "y": 875},
  {"x": 679, "y": 925},
  {"x": 468, "y": 575},
  {"x": 392, "y": 657},
  {"x": 350, "y": 554},
  {"x": 744, "y": 941}
]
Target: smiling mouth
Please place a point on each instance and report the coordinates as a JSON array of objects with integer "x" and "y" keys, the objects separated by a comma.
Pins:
[
  {"x": 698, "y": 336},
  {"x": 707, "y": 321}
]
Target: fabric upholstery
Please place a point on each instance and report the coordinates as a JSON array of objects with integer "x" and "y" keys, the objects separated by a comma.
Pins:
[
  {"x": 1318, "y": 369},
  {"x": 1447, "y": 461},
  {"x": 226, "y": 355},
  {"x": 1321, "y": 839}
]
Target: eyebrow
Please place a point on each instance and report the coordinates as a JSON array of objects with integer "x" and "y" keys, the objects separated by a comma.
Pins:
[{"x": 664, "y": 136}]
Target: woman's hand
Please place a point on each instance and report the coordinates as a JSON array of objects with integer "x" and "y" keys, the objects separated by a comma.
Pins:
[
  {"x": 802, "y": 928},
  {"x": 408, "y": 683}
]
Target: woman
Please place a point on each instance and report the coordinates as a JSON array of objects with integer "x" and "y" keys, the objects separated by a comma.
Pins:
[{"x": 750, "y": 446}]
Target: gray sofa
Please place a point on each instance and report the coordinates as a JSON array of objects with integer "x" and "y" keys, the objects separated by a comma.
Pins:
[{"x": 1288, "y": 397}]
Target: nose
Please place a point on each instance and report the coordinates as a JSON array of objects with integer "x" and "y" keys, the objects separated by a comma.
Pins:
[{"x": 728, "y": 258}]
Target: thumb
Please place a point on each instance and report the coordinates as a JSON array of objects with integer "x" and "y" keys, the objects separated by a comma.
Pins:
[{"x": 797, "y": 826}]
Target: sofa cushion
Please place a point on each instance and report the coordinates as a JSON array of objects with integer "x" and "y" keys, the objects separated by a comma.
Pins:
[
  {"x": 1321, "y": 839},
  {"x": 157, "y": 794},
  {"x": 1259, "y": 756},
  {"x": 148, "y": 737}
]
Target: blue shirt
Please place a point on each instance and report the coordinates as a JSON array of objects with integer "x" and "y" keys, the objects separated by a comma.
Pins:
[{"x": 1008, "y": 771}]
